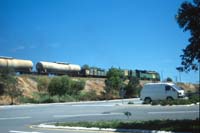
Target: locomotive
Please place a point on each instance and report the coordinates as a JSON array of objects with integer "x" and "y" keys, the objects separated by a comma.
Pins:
[{"x": 63, "y": 68}]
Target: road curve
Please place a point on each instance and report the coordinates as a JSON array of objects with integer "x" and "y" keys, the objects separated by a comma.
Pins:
[{"x": 18, "y": 119}]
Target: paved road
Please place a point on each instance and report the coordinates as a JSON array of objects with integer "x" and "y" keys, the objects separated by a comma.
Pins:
[{"x": 17, "y": 119}]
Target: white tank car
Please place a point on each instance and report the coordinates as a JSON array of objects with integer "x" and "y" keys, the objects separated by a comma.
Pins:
[
  {"x": 22, "y": 66},
  {"x": 57, "y": 67}
]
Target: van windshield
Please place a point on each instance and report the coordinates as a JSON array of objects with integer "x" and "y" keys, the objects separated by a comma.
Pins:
[{"x": 177, "y": 87}]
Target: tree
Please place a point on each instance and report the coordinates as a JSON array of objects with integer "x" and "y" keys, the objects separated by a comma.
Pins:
[
  {"x": 169, "y": 79},
  {"x": 43, "y": 83},
  {"x": 64, "y": 85},
  {"x": 76, "y": 87},
  {"x": 85, "y": 66},
  {"x": 188, "y": 18},
  {"x": 55, "y": 87},
  {"x": 9, "y": 83},
  {"x": 114, "y": 82},
  {"x": 133, "y": 88}
]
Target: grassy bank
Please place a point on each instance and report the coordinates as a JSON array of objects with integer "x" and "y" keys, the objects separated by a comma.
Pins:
[
  {"x": 164, "y": 125},
  {"x": 192, "y": 99}
]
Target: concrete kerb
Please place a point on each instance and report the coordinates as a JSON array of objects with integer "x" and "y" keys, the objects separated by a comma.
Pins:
[
  {"x": 66, "y": 103},
  {"x": 47, "y": 126}
]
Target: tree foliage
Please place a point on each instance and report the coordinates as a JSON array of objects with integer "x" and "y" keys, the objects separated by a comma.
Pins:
[
  {"x": 169, "y": 79},
  {"x": 133, "y": 88},
  {"x": 114, "y": 81},
  {"x": 9, "y": 83},
  {"x": 56, "y": 87},
  {"x": 188, "y": 18},
  {"x": 43, "y": 83},
  {"x": 64, "y": 85},
  {"x": 85, "y": 66}
]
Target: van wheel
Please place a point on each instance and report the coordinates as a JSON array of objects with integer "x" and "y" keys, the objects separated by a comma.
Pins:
[{"x": 147, "y": 100}]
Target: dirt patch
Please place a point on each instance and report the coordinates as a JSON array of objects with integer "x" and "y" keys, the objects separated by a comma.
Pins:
[
  {"x": 189, "y": 87},
  {"x": 95, "y": 84},
  {"x": 27, "y": 85}
]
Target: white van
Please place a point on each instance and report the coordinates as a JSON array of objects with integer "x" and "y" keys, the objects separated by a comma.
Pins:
[{"x": 161, "y": 91}]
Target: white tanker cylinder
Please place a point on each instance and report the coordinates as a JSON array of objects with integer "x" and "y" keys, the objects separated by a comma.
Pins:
[
  {"x": 56, "y": 68},
  {"x": 17, "y": 64}
]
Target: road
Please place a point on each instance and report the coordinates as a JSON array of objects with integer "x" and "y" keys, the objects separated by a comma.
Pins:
[{"x": 18, "y": 119}]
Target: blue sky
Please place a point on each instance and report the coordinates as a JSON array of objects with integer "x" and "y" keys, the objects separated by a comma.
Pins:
[{"x": 130, "y": 34}]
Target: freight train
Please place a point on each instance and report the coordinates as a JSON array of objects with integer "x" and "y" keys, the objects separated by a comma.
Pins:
[{"x": 63, "y": 68}]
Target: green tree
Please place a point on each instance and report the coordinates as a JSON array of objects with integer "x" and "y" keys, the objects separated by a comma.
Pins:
[
  {"x": 55, "y": 87},
  {"x": 114, "y": 82},
  {"x": 9, "y": 83},
  {"x": 64, "y": 85},
  {"x": 169, "y": 79},
  {"x": 76, "y": 87},
  {"x": 43, "y": 83},
  {"x": 133, "y": 88},
  {"x": 85, "y": 66},
  {"x": 188, "y": 18}
]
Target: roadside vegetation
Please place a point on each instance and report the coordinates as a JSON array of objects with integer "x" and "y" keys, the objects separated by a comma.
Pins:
[
  {"x": 56, "y": 89},
  {"x": 117, "y": 86},
  {"x": 192, "y": 99},
  {"x": 9, "y": 84},
  {"x": 164, "y": 125},
  {"x": 66, "y": 89},
  {"x": 52, "y": 89}
]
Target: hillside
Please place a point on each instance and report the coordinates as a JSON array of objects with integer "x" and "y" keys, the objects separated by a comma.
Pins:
[{"x": 28, "y": 84}]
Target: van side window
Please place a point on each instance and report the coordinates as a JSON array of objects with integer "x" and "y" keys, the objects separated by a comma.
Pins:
[{"x": 167, "y": 88}]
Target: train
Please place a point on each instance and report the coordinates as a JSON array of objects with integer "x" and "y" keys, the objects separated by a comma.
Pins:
[{"x": 64, "y": 68}]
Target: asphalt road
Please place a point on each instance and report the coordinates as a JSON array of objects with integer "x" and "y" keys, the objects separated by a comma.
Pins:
[{"x": 18, "y": 119}]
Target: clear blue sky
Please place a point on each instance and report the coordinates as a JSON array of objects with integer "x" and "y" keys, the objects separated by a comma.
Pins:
[{"x": 130, "y": 34}]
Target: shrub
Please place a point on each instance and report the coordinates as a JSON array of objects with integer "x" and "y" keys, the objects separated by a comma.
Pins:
[
  {"x": 133, "y": 88},
  {"x": 155, "y": 102},
  {"x": 87, "y": 96},
  {"x": 59, "y": 86},
  {"x": 2, "y": 89},
  {"x": 194, "y": 98},
  {"x": 43, "y": 83}
]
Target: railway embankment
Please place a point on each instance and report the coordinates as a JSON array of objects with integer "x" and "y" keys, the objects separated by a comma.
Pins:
[{"x": 33, "y": 87}]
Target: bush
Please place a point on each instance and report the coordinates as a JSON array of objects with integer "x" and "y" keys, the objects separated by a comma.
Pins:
[
  {"x": 43, "y": 83},
  {"x": 23, "y": 99},
  {"x": 175, "y": 102},
  {"x": 2, "y": 89},
  {"x": 194, "y": 98},
  {"x": 88, "y": 96},
  {"x": 114, "y": 82},
  {"x": 133, "y": 88},
  {"x": 155, "y": 102},
  {"x": 60, "y": 86},
  {"x": 165, "y": 125}
]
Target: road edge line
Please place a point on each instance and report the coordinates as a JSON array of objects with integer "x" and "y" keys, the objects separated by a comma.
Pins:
[{"x": 46, "y": 126}]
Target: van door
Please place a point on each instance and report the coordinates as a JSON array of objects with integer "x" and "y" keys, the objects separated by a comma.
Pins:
[{"x": 170, "y": 92}]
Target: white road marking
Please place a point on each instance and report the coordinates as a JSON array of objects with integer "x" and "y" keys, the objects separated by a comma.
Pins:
[
  {"x": 15, "y": 118},
  {"x": 22, "y": 132},
  {"x": 102, "y": 105},
  {"x": 174, "y": 112},
  {"x": 59, "y": 116}
]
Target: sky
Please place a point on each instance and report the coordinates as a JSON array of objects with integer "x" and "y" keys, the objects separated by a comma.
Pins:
[{"x": 127, "y": 34}]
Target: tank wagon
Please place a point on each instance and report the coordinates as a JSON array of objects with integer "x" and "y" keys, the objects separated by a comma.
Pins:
[
  {"x": 93, "y": 72},
  {"x": 18, "y": 65},
  {"x": 57, "y": 68}
]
